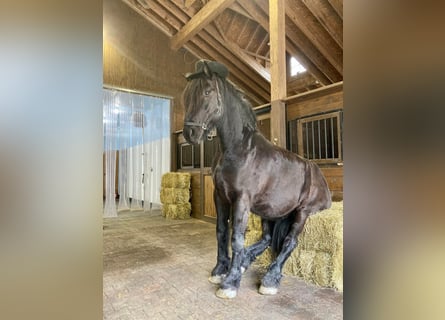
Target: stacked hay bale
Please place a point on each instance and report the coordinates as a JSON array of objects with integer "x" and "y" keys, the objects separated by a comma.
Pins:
[
  {"x": 318, "y": 257},
  {"x": 175, "y": 195}
]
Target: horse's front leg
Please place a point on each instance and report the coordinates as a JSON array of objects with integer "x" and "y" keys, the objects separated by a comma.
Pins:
[
  {"x": 231, "y": 283},
  {"x": 222, "y": 236}
]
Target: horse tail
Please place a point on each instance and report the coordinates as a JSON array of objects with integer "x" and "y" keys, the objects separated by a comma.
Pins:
[{"x": 280, "y": 231}]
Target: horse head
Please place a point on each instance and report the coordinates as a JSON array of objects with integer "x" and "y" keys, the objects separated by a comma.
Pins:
[{"x": 202, "y": 100}]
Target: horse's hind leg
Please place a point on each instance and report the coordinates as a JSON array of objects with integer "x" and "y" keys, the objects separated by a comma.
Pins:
[
  {"x": 257, "y": 248},
  {"x": 271, "y": 280},
  {"x": 222, "y": 237}
]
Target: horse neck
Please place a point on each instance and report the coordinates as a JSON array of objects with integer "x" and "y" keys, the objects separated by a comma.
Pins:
[{"x": 230, "y": 129}]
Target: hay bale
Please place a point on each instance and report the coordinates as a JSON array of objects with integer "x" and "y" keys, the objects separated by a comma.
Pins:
[
  {"x": 177, "y": 211},
  {"x": 174, "y": 195},
  {"x": 176, "y": 180},
  {"x": 318, "y": 257}
]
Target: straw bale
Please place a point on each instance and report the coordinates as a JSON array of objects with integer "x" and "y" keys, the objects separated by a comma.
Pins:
[
  {"x": 176, "y": 180},
  {"x": 174, "y": 195},
  {"x": 177, "y": 211},
  {"x": 318, "y": 257}
]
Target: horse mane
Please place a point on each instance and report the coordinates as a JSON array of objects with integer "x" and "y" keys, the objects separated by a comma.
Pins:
[{"x": 236, "y": 97}]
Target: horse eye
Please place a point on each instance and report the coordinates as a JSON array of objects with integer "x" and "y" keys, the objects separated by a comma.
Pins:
[{"x": 207, "y": 92}]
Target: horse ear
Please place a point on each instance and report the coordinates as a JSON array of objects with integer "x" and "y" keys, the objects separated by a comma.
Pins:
[{"x": 206, "y": 70}]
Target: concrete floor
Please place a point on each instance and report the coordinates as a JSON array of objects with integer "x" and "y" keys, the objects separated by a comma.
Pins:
[{"x": 157, "y": 269}]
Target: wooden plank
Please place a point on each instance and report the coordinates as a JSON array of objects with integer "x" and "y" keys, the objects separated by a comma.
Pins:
[
  {"x": 317, "y": 92},
  {"x": 200, "y": 20},
  {"x": 209, "y": 205},
  {"x": 196, "y": 194},
  {"x": 330, "y": 102}
]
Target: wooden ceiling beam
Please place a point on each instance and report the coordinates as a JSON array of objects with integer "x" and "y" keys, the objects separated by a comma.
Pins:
[
  {"x": 338, "y": 6},
  {"x": 237, "y": 8},
  {"x": 241, "y": 54},
  {"x": 303, "y": 19},
  {"x": 255, "y": 65},
  {"x": 328, "y": 18},
  {"x": 206, "y": 41},
  {"x": 302, "y": 49},
  {"x": 199, "y": 21},
  {"x": 307, "y": 56}
]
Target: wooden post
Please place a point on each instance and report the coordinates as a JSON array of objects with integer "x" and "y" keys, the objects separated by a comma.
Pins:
[{"x": 277, "y": 32}]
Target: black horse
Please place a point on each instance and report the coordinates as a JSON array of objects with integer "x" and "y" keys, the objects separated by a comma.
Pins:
[{"x": 250, "y": 174}]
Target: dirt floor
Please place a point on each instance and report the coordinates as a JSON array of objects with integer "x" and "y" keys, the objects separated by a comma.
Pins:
[{"x": 156, "y": 268}]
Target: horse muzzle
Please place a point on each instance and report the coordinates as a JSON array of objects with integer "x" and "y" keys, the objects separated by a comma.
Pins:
[{"x": 194, "y": 132}]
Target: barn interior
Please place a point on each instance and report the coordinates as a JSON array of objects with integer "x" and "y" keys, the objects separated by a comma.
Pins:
[{"x": 287, "y": 57}]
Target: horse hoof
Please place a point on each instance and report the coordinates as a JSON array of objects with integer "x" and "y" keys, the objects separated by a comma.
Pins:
[
  {"x": 215, "y": 279},
  {"x": 226, "y": 293},
  {"x": 267, "y": 290}
]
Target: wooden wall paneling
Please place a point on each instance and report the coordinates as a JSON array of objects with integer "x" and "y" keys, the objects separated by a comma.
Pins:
[
  {"x": 196, "y": 194},
  {"x": 334, "y": 178},
  {"x": 333, "y": 101},
  {"x": 209, "y": 205}
]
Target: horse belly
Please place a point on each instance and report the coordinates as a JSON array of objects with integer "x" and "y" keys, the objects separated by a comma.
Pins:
[{"x": 274, "y": 205}]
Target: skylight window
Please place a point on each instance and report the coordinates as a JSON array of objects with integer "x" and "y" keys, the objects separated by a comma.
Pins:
[{"x": 295, "y": 67}]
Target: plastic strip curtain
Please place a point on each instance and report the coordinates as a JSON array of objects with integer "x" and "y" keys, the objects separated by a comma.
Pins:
[
  {"x": 110, "y": 147},
  {"x": 138, "y": 128},
  {"x": 157, "y": 149},
  {"x": 124, "y": 145}
]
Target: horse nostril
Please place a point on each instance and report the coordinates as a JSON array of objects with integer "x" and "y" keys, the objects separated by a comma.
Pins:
[{"x": 188, "y": 132}]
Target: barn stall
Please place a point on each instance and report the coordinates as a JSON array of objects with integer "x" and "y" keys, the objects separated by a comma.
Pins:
[{"x": 287, "y": 58}]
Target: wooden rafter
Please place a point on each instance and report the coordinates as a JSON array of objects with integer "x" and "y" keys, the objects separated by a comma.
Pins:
[
  {"x": 307, "y": 23},
  {"x": 200, "y": 20},
  {"x": 338, "y": 6},
  {"x": 328, "y": 18},
  {"x": 239, "y": 38},
  {"x": 314, "y": 64},
  {"x": 239, "y": 52}
]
